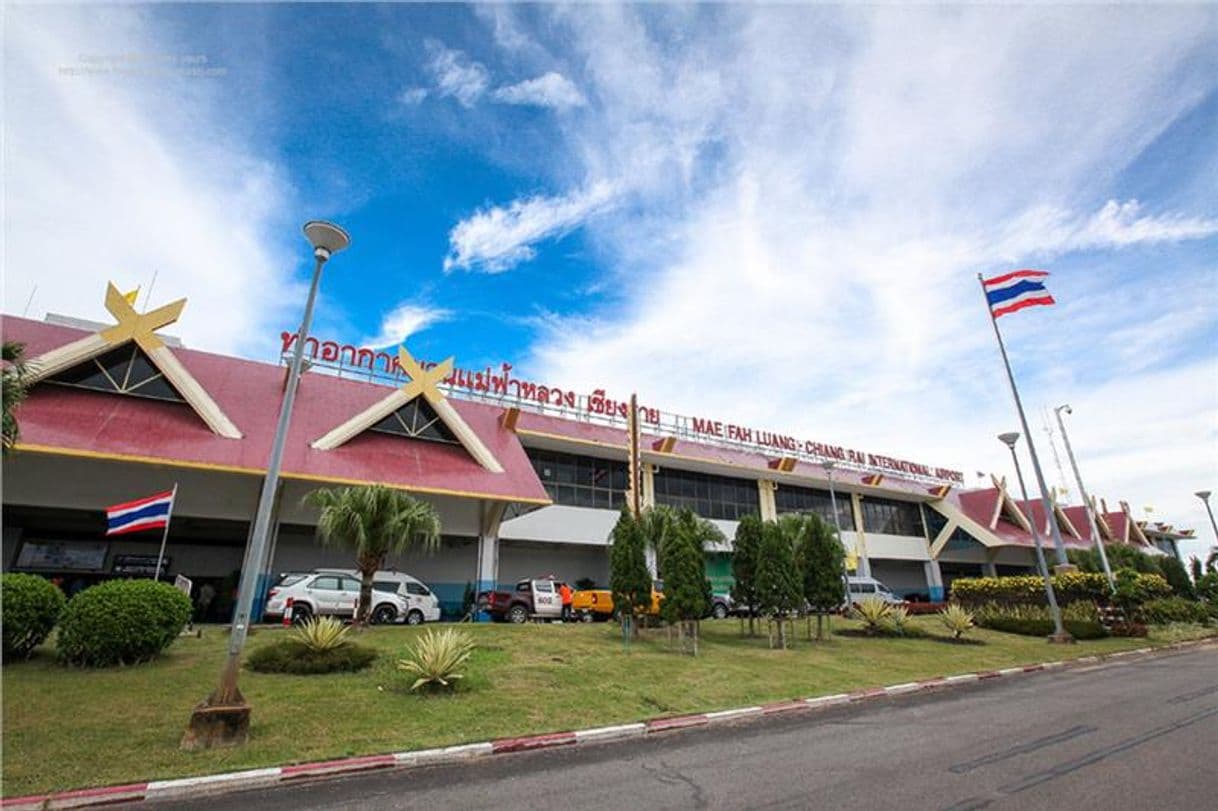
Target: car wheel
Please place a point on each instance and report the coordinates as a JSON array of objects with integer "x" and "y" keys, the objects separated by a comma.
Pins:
[
  {"x": 719, "y": 611},
  {"x": 586, "y": 617},
  {"x": 384, "y": 614},
  {"x": 301, "y": 613},
  {"x": 518, "y": 614},
  {"x": 415, "y": 617}
]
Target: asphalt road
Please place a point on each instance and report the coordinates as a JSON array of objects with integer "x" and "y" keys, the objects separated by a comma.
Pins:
[{"x": 1139, "y": 734}]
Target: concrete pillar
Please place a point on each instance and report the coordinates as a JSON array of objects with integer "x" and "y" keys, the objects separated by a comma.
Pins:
[
  {"x": 487, "y": 576},
  {"x": 989, "y": 569},
  {"x": 856, "y": 505},
  {"x": 934, "y": 580},
  {"x": 769, "y": 507}
]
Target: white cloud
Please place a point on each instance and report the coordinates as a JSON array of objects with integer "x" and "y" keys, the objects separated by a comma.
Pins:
[
  {"x": 1047, "y": 230},
  {"x": 812, "y": 193},
  {"x": 551, "y": 90},
  {"x": 403, "y": 321},
  {"x": 496, "y": 239},
  {"x": 108, "y": 178},
  {"x": 455, "y": 75},
  {"x": 413, "y": 95}
]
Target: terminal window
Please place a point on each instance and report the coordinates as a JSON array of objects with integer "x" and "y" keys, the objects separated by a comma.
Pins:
[
  {"x": 581, "y": 481},
  {"x": 806, "y": 500},
  {"x": 708, "y": 496},
  {"x": 889, "y": 517}
]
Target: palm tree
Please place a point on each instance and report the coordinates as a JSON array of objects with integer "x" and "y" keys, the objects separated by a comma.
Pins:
[
  {"x": 374, "y": 522},
  {"x": 14, "y": 390}
]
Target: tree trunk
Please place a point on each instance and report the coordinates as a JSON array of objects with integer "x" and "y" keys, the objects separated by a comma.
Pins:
[
  {"x": 820, "y": 626},
  {"x": 697, "y": 630},
  {"x": 365, "y": 597}
]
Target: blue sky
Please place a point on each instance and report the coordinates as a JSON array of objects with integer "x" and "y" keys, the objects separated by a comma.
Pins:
[{"x": 767, "y": 215}]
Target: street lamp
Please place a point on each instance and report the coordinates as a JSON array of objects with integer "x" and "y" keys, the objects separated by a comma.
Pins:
[
  {"x": 1204, "y": 495},
  {"x": 837, "y": 522},
  {"x": 223, "y": 718},
  {"x": 1078, "y": 477},
  {"x": 1059, "y": 634}
]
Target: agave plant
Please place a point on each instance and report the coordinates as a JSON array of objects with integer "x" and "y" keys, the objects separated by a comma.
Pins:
[
  {"x": 956, "y": 619},
  {"x": 435, "y": 657},
  {"x": 321, "y": 634},
  {"x": 874, "y": 612},
  {"x": 898, "y": 615}
]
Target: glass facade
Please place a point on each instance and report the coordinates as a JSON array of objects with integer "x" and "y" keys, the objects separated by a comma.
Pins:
[
  {"x": 126, "y": 370},
  {"x": 708, "y": 496},
  {"x": 581, "y": 481},
  {"x": 887, "y": 516},
  {"x": 806, "y": 500}
]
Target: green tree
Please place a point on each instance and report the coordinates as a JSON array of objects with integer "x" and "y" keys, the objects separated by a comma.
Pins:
[
  {"x": 1176, "y": 576},
  {"x": 746, "y": 548},
  {"x": 13, "y": 389},
  {"x": 658, "y": 524},
  {"x": 629, "y": 579},
  {"x": 822, "y": 568},
  {"x": 1195, "y": 563},
  {"x": 778, "y": 592},
  {"x": 686, "y": 590},
  {"x": 374, "y": 522}
]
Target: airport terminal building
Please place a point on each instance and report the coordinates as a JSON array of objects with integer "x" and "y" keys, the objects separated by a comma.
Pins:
[{"x": 528, "y": 479}]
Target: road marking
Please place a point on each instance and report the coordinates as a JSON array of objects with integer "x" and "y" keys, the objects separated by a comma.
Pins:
[
  {"x": 1021, "y": 749},
  {"x": 1183, "y": 697}
]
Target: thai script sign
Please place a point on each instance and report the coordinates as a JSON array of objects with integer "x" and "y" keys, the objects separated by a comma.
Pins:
[{"x": 499, "y": 384}]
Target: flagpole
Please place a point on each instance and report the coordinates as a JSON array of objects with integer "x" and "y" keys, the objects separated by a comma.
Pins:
[
  {"x": 165, "y": 536},
  {"x": 1058, "y": 546}
]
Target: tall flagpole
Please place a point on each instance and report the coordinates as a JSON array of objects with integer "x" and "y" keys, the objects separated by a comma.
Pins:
[
  {"x": 1058, "y": 546},
  {"x": 165, "y": 536}
]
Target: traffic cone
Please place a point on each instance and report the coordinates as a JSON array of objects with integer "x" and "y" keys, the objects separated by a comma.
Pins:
[{"x": 287, "y": 613}]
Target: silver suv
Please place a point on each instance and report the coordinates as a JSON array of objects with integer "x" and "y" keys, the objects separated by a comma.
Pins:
[{"x": 332, "y": 594}]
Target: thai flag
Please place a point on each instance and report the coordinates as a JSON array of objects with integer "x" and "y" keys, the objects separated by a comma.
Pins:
[
  {"x": 1016, "y": 290},
  {"x": 143, "y": 513}
]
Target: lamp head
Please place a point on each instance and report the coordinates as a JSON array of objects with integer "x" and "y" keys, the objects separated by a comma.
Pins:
[
  {"x": 1204, "y": 495},
  {"x": 828, "y": 465},
  {"x": 1065, "y": 408},
  {"x": 326, "y": 237},
  {"x": 1009, "y": 438}
]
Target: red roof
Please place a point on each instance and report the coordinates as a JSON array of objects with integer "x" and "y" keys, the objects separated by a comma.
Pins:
[{"x": 71, "y": 420}]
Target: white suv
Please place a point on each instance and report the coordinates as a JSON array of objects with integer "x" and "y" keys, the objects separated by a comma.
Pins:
[
  {"x": 863, "y": 587},
  {"x": 422, "y": 605},
  {"x": 331, "y": 593}
]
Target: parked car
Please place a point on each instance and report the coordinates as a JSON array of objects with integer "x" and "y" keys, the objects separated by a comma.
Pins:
[
  {"x": 329, "y": 594},
  {"x": 722, "y": 606},
  {"x": 597, "y": 604},
  {"x": 422, "y": 603},
  {"x": 532, "y": 599},
  {"x": 860, "y": 588}
]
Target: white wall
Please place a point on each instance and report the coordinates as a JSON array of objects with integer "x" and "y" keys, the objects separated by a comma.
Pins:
[{"x": 568, "y": 562}]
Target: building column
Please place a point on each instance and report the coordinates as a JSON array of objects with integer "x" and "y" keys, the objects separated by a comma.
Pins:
[
  {"x": 266, "y": 574},
  {"x": 769, "y": 507},
  {"x": 487, "y": 575},
  {"x": 934, "y": 580},
  {"x": 989, "y": 568},
  {"x": 856, "y": 506}
]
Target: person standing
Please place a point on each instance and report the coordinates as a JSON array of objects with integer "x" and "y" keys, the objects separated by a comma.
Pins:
[{"x": 564, "y": 591}]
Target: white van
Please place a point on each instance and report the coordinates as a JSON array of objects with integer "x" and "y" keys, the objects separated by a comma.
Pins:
[
  {"x": 424, "y": 606},
  {"x": 862, "y": 587}
]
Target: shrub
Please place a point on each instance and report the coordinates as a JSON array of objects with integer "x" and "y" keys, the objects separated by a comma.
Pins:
[
  {"x": 1171, "y": 609},
  {"x": 1207, "y": 587},
  {"x": 121, "y": 622},
  {"x": 1069, "y": 587},
  {"x": 1176, "y": 576},
  {"x": 874, "y": 612},
  {"x": 31, "y": 606},
  {"x": 295, "y": 657},
  {"x": 956, "y": 619},
  {"x": 321, "y": 634},
  {"x": 435, "y": 657},
  {"x": 1080, "y": 619}
]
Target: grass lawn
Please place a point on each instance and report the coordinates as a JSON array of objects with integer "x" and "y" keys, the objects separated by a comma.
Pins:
[{"x": 66, "y": 728}]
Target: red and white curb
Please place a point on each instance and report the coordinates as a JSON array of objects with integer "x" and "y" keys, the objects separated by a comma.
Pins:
[{"x": 192, "y": 787}]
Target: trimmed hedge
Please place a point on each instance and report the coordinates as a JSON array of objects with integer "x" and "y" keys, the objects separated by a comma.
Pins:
[
  {"x": 1069, "y": 586},
  {"x": 1079, "y": 629},
  {"x": 121, "y": 622},
  {"x": 293, "y": 656},
  {"x": 1172, "y": 609},
  {"x": 31, "y": 606}
]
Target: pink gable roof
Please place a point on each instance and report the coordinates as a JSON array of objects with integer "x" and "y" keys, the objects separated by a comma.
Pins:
[{"x": 60, "y": 419}]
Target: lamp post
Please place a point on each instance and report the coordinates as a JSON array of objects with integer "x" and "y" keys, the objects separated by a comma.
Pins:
[
  {"x": 223, "y": 718},
  {"x": 1204, "y": 495},
  {"x": 1059, "y": 634},
  {"x": 1078, "y": 478}
]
